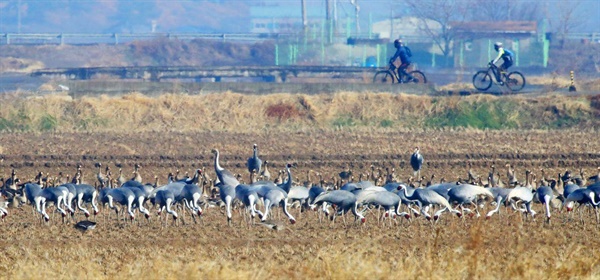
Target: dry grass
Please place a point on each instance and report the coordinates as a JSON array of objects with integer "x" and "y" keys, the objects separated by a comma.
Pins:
[
  {"x": 284, "y": 112},
  {"x": 504, "y": 247},
  {"x": 20, "y": 65}
]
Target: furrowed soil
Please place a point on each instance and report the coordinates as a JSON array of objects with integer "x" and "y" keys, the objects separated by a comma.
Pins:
[{"x": 506, "y": 246}]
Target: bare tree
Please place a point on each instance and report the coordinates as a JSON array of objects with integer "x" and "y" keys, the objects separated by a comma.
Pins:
[
  {"x": 436, "y": 18},
  {"x": 505, "y": 10},
  {"x": 567, "y": 18}
]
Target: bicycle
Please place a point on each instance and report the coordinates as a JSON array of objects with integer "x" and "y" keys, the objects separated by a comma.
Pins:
[
  {"x": 482, "y": 80},
  {"x": 391, "y": 76}
]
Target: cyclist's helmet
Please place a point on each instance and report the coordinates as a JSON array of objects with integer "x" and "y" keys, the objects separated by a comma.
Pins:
[
  {"x": 497, "y": 45},
  {"x": 397, "y": 43}
]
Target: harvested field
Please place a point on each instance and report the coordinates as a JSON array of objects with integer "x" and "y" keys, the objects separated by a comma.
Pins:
[{"x": 505, "y": 246}]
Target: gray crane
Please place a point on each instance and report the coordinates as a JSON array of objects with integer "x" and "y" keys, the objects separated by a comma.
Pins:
[
  {"x": 31, "y": 190},
  {"x": 500, "y": 195},
  {"x": 123, "y": 196},
  {"x": 71, "y": 193},
  {"x": 545, "y": 195},
  {"x": 248, "y": 195},
  {"x": 254, "y": 162},
  {"x": 225, "y": 177},
  {"x": 139, "y": 200},
  {"x": 86, "y": 193},
  {"x": 427, "y": 197},
  {"x": 191, "y": 195},
  {"x": 165, "y": 199},
  {"x": 525, "y": 195},
  {"x": 416, "y": 162},
  {"x": 55, "y": 195},
  {"x": 468, "y": 194},
  {"x": 387, "y": 200},
  {"x": 276, "y": 197},
  {"x": 344, "y": 202}
]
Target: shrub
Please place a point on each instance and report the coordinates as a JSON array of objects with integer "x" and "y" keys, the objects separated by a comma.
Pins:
[{"x": 282, "y": 111}]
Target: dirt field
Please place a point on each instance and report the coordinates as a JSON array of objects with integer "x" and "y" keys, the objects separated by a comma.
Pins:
[{"x": 503, "y": 247}]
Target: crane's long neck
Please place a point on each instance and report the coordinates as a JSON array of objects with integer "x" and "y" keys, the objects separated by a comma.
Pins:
[
  {"x": 286, "y": 212},
  {"x": 255, "y": 152},
  {"x": 169, "y": 210},
  {"x": 546, "y": 200},
  {"x": 409, "y": 197},
  {"x": 129, "y": 206},
  {"x": 288, "y": 185},
  {"x": 592, "y": 197},
  {"x": 218, "y": 167},
  {"x": 356, "y": 213},
  {"x": 38, "y": 202},
  {"x": 95, "y": 202}
]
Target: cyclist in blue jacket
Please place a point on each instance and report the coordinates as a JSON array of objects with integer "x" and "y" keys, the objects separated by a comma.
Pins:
[
  {"x": 404, "y": 53},
  {"x": 506, "y": 56}
]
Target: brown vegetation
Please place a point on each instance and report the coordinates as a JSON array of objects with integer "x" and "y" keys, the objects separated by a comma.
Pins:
[
  {"x": 503, "y": 247},
  {"x": 249, "y": 113}
]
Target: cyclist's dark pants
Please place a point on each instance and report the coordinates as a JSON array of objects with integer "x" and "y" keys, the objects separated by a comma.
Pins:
[
  {"x": 402, "y": 71},
  {"x": 507, "y": 63}
]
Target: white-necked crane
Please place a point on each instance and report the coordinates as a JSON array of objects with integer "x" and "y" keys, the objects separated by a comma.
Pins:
[
  {"x": 254, "y": 163},
  {"x": 416, "y": 162}
]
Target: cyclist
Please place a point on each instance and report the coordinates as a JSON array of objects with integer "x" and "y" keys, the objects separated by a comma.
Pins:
[
  {"x": 404, "y": 53},
  {"x": 507, "y": 56}
]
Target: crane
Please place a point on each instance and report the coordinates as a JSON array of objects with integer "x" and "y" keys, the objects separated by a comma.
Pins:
[
  {"x": 468, "y": 194},
  {"x": 427, "y": 197},
  {"x": 416, "y": 161},
  {"x": 343, "y": 200},
  {"x": 254, "y": 162}
]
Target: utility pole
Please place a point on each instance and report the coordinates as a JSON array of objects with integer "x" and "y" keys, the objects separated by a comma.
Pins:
[
  {"x": 304, "y": 19},
  {"x": 356, "y": 10},
  {"x": 328, "y": 20},
  {"x": 19, "y": 16}
]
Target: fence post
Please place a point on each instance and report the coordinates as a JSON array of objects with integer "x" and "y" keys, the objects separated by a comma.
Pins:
[
  {"x": 517, "y": 51},
  {"x": 572, "y": 86},
  {"x": 433, "y": 56},
  {"x": 7, "y": 39},
  {"x": 546, "y": 50},
  {"x": 116, "y": 38},
  {"x": 62, "y": 39},
  {"x": 276, "y": 55}
]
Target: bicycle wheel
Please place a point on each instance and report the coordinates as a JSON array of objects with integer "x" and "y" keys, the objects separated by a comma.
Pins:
[
  {"x": 384, "y": 77},
  {"x": 419, "y": 77},
  {"x": 515, "y": 81},
  {"x": 482, "y": 80}
]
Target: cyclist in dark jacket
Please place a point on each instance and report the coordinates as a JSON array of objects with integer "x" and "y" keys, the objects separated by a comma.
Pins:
[
  {"x": 404, "y": 53},
  {"x": 506, "y": 56}
]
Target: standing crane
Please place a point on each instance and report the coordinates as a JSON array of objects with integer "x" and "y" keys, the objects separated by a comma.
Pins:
[
  {"x": 254, "y": 163},
  {"x": 416, "y": 161}
]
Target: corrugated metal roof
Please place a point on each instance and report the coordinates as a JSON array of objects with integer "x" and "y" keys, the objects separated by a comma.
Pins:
[{"x": 495, "y": 26}]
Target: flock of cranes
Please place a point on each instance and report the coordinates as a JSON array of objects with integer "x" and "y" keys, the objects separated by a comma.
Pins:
[{"x": 383, "y": 196}]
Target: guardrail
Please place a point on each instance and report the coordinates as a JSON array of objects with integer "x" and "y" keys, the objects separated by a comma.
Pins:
[
  {"x": 593, "y": 37},
  {"x": 117, "y": 38}
]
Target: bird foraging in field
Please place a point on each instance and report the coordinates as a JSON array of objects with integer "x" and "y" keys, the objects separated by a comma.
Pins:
[
  {"x": 84, "y": 226},
  {"x": 274, "y": 225}
]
